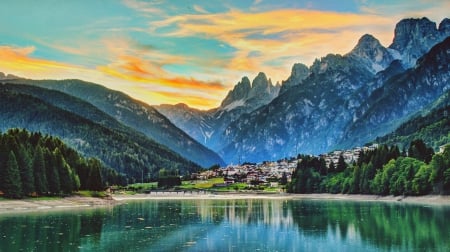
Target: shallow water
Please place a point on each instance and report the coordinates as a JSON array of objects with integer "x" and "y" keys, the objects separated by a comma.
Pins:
[{"x": 232, "y": 225}]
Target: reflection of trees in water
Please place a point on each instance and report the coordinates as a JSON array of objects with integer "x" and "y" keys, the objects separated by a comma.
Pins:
[
  {"x": 54, "y": 232},
  {"x": 269, "y": 212},
  {"x": 388, "y": 226},
  {"x": 170, "y": 224}
]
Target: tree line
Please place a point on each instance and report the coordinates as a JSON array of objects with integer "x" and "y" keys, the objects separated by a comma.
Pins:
[
  {"x": 383, "y": 171},
  {"x": 32, "y": 164}
]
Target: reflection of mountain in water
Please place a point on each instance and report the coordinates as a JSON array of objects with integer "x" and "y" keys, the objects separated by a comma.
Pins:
[{"x": 232, "y": 225}]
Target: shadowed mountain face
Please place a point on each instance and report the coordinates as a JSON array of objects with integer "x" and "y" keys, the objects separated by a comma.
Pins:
[
  {"x": 136, "y": 115},
  {"x": 87, "y": 129},
  {"x": 339, "y": 101}
]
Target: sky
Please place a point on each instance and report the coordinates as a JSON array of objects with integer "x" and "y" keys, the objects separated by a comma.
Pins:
[{"x": 188, "y": 51}]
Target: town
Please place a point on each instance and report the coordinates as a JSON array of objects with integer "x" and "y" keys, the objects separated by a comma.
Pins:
[{"x": 274, "y": 173}]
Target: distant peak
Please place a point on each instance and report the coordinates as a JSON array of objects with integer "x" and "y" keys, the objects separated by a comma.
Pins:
[
  {"x": 444, "y": 26},
  {"x": 366, "y": 42},
  {"x": 182, "y": 105},
  {"x": 299, "y": 71}
]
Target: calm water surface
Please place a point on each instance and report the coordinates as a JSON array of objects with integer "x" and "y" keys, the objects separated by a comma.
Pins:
[{"x": 232, "y": 225}]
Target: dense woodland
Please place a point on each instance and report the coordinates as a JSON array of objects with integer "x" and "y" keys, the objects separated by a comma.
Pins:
[
  {"x": 32, "y": 164},
  {"x": 383, "y": 171},
  {"x": 117, "y": 146}
]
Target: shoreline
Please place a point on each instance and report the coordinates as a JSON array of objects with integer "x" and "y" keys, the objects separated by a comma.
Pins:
[
  {"x": 8, "y": 206},
  {"x": 436, "y": 200}
]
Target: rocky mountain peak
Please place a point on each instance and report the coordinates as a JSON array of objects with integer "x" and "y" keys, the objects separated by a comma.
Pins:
[
  {"x": 415, "y": 37},
  {"x": 239, "y": 92},
  {"x": 299, "y": 72},
  {"x": 372, "y": 53},
  {"x": 444, "y": 26},
  {"x": 260, "y": 85},
  {"x": 411, "y": 29}
]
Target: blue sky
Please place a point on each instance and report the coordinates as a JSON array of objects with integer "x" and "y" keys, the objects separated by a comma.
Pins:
[{"x": 170, "y": 51}]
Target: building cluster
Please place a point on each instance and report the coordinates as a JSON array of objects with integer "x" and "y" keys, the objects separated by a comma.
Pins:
[
  {"x": 252, "y": 174},
  {"x": 349, "y": 156},
  {"x": 273, "y": 172}
]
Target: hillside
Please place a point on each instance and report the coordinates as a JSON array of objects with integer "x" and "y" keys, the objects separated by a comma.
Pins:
[
  {"x": 433, "y": 128},
  {"x": 135, "y": 114},
  {"x": 128, "y": 154}
]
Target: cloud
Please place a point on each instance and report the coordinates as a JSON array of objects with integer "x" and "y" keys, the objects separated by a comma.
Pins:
[
  {"x": 199, "y": 9},
  {"x": 146, "y": 7},
  {"x": 198, "y": 101},
  {"x": 148, "y": 65},
  {"x": 18, "y": 61},
  {"x": 438, "y": 10},
  {"x": 278, "y": 34}
]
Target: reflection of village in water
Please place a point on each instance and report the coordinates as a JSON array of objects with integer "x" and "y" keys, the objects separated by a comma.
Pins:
[{"x": 232, "y": 225}]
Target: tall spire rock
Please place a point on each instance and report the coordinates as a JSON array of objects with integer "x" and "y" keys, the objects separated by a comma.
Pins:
[
  {"x": 239, "y": 92},
  {"x": 260, "y": 92}
]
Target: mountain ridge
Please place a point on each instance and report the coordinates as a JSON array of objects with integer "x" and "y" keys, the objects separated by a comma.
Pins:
[
  {"x": 128, "y": 154},
  {"x": 135, "y": 114},
  {"x": 316, "y": 104}
]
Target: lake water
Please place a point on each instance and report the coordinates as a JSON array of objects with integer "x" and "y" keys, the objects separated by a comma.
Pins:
[{"x": 232, "y": 225}]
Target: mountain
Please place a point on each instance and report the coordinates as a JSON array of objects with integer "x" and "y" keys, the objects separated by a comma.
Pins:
[
  {"x": 135, "y": 114},
  {"x": 402, "y": 96},
  {"x": 370, "y": 53},
  {"x": 208, "y": 127},
  {"x": 324, "y": 106},
  {"x": 127, "y": 152},
  {"x": 332, "y": 107},
  {"x": 306, "y": 118},
  {"x": 415, "y": 37}
]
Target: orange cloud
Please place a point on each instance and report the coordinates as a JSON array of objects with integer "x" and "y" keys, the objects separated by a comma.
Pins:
[
  {"x": 197, "y": 101},
  {"x": 301, "y": 34},
  {"x": 183, "y": 84},
  {"x": 16, "y": 59},
  {"x": 147, "y": 66},
  {"x": 140, "y": 81}
]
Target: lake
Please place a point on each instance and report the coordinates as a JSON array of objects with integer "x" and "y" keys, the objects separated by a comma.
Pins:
[{"x": 232, "y": 225}]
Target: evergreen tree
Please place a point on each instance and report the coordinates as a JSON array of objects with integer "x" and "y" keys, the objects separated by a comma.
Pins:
[
  {"x": 283, "y": 180},
  {"x": 341, "y": 165},
  {"x": 3, "y": 160},
  {"x": 94, "y": 181},
  {"x": 419, "y": 150},
  {"x": 65, "y": 178},
  {"x": 331, "y": 167},
  {"x": 26, "y": 171},
  {"x": 52, "y": 173},
  {"x": 12, "y": 184},
  {"x": 356, "y": 179},
  {"x": 40, "y": 178}
]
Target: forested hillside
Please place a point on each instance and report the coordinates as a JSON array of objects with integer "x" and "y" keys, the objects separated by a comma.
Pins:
[
  {"x": 32, "y": 164},
  {"x": 135, "y": 114},
  {"x": 133, "y": 155}
]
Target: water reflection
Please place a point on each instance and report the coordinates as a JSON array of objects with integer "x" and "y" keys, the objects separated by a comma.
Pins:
[{"x": 232, "y": 225}]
